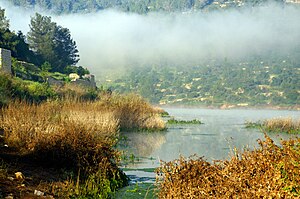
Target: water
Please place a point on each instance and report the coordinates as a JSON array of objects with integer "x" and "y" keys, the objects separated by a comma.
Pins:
[{"x": 221, "y": 132}]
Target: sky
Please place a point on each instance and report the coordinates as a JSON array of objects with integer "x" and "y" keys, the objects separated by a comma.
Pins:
[{"x": 116, "y": 41}]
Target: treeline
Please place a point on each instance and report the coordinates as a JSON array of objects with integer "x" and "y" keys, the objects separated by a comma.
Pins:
[
  {"x": 138, "y": 6},
  {"x": 232, "y": 83},
  {"x": 46, "y": 45},
  {"x": 47, "y": 51}
]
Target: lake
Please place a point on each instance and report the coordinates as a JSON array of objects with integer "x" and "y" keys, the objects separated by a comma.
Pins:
[{"x": 221, "y": 132}]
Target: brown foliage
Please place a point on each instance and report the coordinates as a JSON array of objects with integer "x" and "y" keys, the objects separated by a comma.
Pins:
[{"x": 268, "y": 172}]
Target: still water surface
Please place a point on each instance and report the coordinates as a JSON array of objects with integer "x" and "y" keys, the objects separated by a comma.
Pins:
[{"x": 221, "y": 132}]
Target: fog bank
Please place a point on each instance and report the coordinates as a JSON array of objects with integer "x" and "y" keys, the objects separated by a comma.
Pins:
[{"x": 115, "y": 40}]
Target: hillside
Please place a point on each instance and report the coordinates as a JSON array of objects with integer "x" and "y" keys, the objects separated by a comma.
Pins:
[
  {"x": 140, "y": 6},
  {"x": 257, "y": 83}
]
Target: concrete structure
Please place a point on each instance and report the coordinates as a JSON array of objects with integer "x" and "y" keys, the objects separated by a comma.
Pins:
[
  {"x": 54, "y": 82},
  {"x": 5, "y": 60},
  {"x": 91, "y": 79},
  {"x": 87, "y": 81}
]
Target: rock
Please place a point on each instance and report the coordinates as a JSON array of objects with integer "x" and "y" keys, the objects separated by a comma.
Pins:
[
  {"x": 38, "y": 193},
  {"x": 20, "y": 176},
  {"x": 10, "y": 178},
  {"x": 10, "y": 196}
]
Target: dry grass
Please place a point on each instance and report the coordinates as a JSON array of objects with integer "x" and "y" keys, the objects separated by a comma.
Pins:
[
  {"x": 268, "y": 172},
  {"x": 133, "y": 112},
  {"x": 287, "y": 125},
  {"x": 77, "y": 135}
]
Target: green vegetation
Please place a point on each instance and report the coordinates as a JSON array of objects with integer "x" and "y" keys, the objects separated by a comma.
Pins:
[
  {"x": 50, "y": 53},
  {"x": 137, "y": 191},
  {"x": 174, "y": 121},
  {"x": 50, "y": 46},
  {"x": 142, "y": 7},
  {"x": 233, "y": 84},
  {"x": 270, "y": 171},
  {"x": 52, "y": 43},
  {"x": 279, "y": 125},
  {"x": 151, "y": 170}
]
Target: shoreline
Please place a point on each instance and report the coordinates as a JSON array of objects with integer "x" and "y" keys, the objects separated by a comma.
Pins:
[{"x": 231, "y": 107}]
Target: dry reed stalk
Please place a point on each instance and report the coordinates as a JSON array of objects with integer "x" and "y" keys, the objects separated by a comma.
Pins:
[
  {"x": 287, "y": 125},
  {"x": 268, "y": 172}
]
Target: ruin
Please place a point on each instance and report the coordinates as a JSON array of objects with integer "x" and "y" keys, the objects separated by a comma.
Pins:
[{"x": 5, "y": 60}]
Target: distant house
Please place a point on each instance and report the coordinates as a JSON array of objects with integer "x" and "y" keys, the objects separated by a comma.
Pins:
[
  {"x": 5, "y": 60},
  {"x": 292, "y": 1}
]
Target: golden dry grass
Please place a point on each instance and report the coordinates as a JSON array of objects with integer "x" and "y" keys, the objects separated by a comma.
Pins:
[
  {"x": 287, "y": 125},
  {"x": 77, "y": 134},
  {"x": 268, "y": 172}
]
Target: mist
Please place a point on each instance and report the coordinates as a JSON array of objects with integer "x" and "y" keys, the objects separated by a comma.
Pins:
[{"x": 118, "y": 41}]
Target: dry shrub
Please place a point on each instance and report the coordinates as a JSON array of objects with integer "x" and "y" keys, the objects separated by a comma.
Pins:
[
  {"x": 287, "y": 125},
  {"x": 268, "y": 172}
]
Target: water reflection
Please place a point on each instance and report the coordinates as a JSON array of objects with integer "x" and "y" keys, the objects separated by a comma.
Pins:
[
  {"x": 222, "y": 131},
  {"x": 143, "y": 144}
]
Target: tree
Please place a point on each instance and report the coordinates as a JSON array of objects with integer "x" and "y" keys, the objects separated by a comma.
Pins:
[
  {"x": 41, "y": 37},
  {"x": 65, "y": 49},
  {"x": 4, "y": 23},
  {"x": 14, "y": 42},
  {"x": 52, "y": 42}
]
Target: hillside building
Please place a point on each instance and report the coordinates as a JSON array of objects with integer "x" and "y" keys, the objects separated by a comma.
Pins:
[
  {"x": 5, "y": 60},
  {"x": 292, "y": 1}
]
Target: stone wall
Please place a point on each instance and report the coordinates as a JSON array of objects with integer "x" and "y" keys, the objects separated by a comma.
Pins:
[
  {"x": 5, "y": 60},
  {"x": 87, "y": 81}
]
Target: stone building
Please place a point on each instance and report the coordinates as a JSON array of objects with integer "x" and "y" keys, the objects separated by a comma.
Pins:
[
  {"x": 87, "y": 81},
  {"x": 5, "y": 60}
]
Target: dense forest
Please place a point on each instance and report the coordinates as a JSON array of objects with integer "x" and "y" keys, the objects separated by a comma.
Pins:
[
  {"x": 137, "y": 6},
  {"x": 259, "y": 82}
]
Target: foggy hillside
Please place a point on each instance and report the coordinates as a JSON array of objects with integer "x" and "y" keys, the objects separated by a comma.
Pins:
[{"x": 116, "y": 40}]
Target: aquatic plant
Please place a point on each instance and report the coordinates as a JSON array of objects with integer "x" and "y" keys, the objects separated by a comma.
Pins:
[
  {"x": 280, "y": 125},
  {"x": 287, "y": 125},
  {"x": 174, "y": 121},
  {"x": 269, "y": 171}
]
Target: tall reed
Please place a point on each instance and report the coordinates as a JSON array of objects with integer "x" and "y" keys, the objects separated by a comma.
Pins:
[{"x": 287, "y": 125}]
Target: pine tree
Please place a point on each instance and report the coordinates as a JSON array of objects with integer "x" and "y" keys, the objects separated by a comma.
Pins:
[
  {"x": 52, "y": 42},
  {"x": 4, "y": 22},
  {"x": 65, "y": 48}
]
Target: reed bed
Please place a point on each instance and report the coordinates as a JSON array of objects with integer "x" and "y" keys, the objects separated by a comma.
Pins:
[
  {"x": 78, "y": 135},
  {"x": 287, "y": 125},
  {"x": 133, "y": 112},
  {"x": 279, "y": 125},
  {"x": 45, "y": 134},
  {"x": 268, "y": 172}
]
